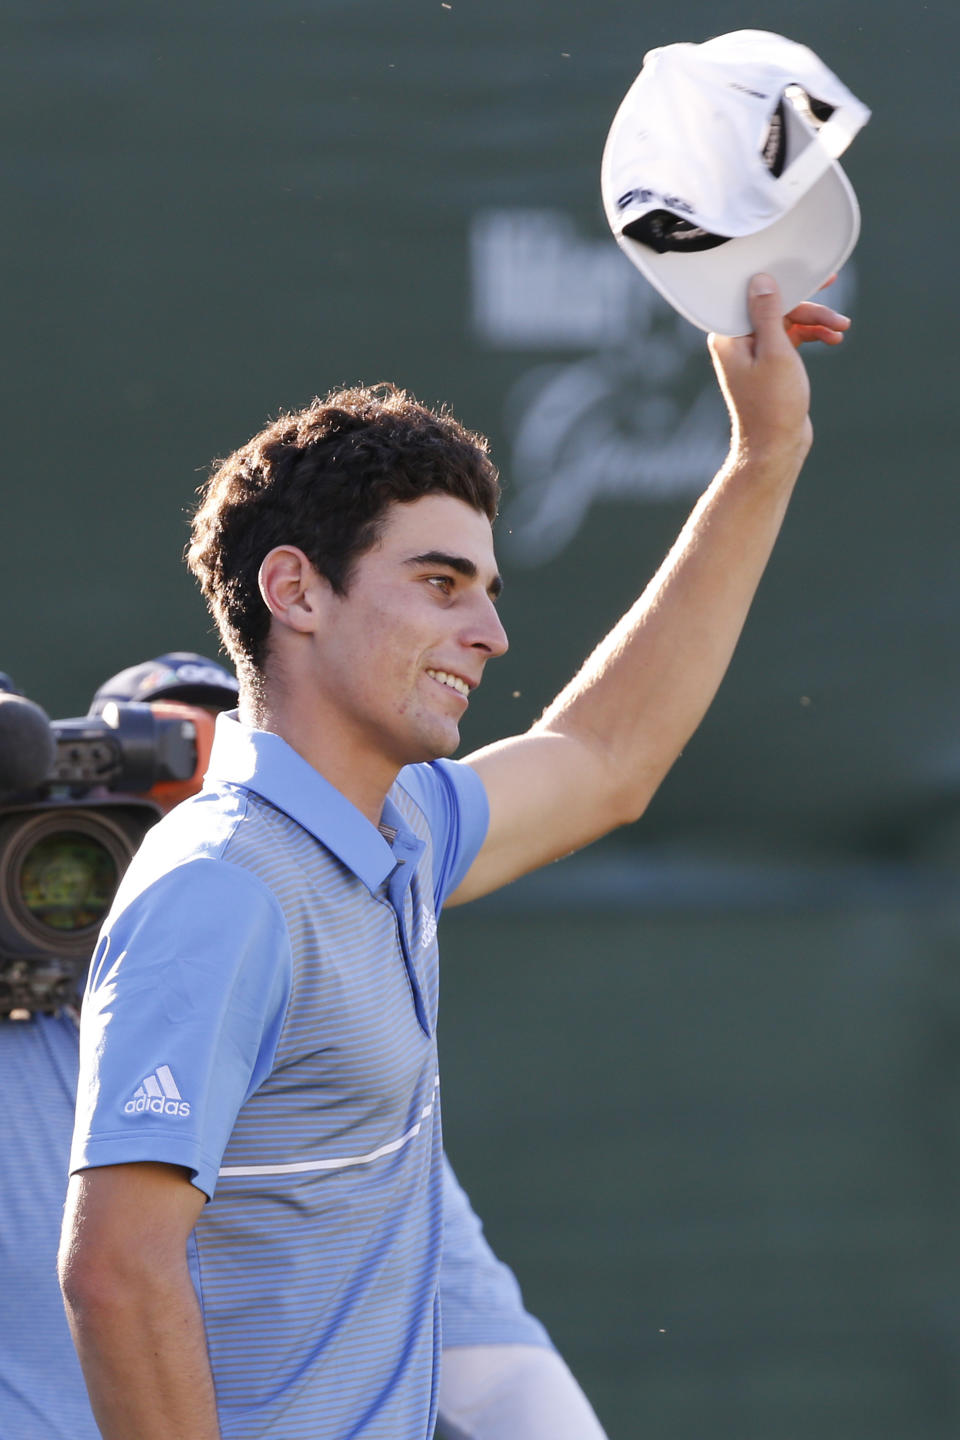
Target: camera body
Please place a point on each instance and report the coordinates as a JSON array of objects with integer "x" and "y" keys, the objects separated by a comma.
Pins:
[{"x": 68, "y": 835}]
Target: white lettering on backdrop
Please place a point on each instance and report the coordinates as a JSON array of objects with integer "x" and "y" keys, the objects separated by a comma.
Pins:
[{"x": 633, "y": 414}]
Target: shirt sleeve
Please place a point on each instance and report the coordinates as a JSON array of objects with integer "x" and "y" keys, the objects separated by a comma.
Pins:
[
  {"x": 181, "y": 1017},
  {"x": 480, "y": 1300},
  {"x": 454, "y": 800}
]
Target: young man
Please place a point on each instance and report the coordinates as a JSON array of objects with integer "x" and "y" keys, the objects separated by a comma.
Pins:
[{"x": 259, "y": 1021}]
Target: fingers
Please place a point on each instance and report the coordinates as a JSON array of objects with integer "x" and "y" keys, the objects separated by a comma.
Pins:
[
  {"x": 809, "y": 322},
  {"x": 806, "y": 322},
  {"x": 809, "y": 313},
  {"x": 803, "y": 335},
  {"x": 766, "y": 314}
]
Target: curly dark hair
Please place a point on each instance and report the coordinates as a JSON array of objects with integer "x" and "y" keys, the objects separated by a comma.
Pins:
[{"x": 323, "y": 479}]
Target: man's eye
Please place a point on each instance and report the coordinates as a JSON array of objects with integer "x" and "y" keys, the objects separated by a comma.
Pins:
[{"x": 441, "y": 582}]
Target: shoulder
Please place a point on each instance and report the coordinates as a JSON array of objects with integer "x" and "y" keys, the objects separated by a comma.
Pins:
[
  {"x": 188, "y": 886},
  {"x": 217, "y": 846},
  {"x": 445, "y": 804},
  {"x": 201, "y": 828},
  {"x": 439, "y": 793}
]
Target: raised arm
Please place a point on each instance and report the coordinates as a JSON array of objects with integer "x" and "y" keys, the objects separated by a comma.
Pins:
[
  {"x": 597, "y": 755},
  {"x": 131, "y": 1303}
]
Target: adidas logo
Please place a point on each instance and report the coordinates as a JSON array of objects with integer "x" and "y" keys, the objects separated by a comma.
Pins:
[
  {"x": 428, "y": 926},
  {"x": 157, "y": 1094}
]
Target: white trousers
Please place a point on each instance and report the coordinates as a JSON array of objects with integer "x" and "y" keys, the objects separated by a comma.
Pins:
[{"x": 511, "y": 1392}]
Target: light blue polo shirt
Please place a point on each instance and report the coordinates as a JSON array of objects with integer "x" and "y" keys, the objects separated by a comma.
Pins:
[{"x": 261, "y": 1010}]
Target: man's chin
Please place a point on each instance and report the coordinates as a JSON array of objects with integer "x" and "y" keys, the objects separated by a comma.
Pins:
[{"x": 440, "y": 744}]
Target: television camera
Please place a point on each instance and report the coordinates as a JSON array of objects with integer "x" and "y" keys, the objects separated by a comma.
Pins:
[{"x": 77, "y": 797}]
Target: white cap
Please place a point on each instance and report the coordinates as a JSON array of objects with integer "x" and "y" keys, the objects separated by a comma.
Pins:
[{"x": 723, "y": 157}]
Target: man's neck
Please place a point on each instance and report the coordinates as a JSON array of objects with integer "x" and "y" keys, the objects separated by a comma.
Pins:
[{"x": 361, "y": 775}]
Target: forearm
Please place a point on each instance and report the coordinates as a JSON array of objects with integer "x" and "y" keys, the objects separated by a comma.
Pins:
[
  {"x": 143, "y": 1351},
  {"x": 644, "y": 690},
  {"x": 597, "y": 755},
  {"x": 131, "y": 1303}
]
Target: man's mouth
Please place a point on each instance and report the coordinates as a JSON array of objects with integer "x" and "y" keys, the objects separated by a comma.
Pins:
[{"x": 453, "y": 682}]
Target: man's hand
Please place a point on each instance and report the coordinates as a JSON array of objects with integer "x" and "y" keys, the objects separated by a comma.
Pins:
[{"x": 763, "y": 380}]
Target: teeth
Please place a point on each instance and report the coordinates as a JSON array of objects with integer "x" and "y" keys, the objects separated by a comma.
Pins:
[{"x": 454, "y": 681}]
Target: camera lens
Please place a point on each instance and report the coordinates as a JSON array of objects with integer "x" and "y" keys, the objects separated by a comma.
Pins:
[
  {"x": 59, "y": 870},
  {"x": 67, "y": 881}
]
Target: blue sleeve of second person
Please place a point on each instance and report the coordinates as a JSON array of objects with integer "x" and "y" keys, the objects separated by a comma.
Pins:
[
  {"x": 454, "y": 800},
  {"x": 480, "y": 1300},
  {"x": 184, "y": 1005}
]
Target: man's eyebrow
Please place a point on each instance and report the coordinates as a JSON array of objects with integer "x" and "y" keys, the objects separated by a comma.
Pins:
[{"x": 460, "y": 563}]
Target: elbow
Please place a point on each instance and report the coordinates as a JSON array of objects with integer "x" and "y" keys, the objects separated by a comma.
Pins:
[
  {"x": 628, "y": 798},
  {"x": 97, "y": 1284},
  {"x": 609, "y": 809},
  {"x": 629, "y": 811},
  {"x": 103, "y": 1301},
  {"x": 619, "y": 780},
  {"x": 85, "y": 1282}
]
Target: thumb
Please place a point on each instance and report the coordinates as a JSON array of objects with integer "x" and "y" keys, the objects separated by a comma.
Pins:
[{"x": 766, "y": 312}]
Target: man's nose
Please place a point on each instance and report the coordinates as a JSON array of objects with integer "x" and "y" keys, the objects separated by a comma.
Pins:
[{"x": 489, "y": 634}]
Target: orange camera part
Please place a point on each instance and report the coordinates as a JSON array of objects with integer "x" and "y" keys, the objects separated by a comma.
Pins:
[{"x": 167, "y": 793}]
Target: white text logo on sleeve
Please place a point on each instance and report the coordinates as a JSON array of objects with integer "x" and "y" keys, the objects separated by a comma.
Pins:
[
  {"x": 157, "y": 1094},
  {"x": 428, "y": 926}
]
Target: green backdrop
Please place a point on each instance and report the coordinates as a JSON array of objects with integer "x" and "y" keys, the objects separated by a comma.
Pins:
[{"x": 728, "y": 1088}]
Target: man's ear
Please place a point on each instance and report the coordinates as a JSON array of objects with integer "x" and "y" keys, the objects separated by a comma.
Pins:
[{"x": 292, "y": 590}]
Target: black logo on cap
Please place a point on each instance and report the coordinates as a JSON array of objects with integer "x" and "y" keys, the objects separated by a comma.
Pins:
[{"x": 642, "y": 196}]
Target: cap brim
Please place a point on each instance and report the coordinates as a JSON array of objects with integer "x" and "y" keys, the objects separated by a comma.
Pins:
[{"x": 801, "y": 251}]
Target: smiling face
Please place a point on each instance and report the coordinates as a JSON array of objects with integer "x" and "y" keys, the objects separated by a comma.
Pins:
[{"x": 393, "y": 661}]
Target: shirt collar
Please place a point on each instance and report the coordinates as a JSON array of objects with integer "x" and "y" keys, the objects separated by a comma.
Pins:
[{"x": 262, "y": 762}]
